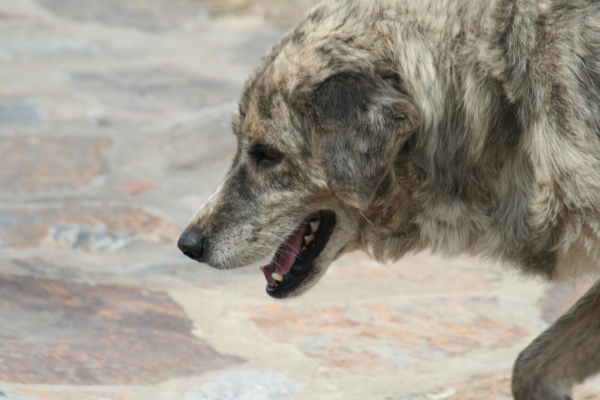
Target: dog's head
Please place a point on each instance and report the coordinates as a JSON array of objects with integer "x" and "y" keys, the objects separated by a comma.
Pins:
[{"x": 318, "y": 137}]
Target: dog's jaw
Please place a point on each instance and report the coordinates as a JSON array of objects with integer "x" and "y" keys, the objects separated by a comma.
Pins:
[{"x": 298, "y": 262}]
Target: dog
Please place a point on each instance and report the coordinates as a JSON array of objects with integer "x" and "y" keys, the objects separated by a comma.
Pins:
[{"x": 394, "y": 126}]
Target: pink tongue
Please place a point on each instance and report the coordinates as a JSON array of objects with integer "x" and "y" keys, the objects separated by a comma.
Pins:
[{"x": 286, "y": 255}]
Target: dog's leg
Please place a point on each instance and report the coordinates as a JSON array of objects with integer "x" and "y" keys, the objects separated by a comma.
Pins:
[{"x": 565, "y": 354}]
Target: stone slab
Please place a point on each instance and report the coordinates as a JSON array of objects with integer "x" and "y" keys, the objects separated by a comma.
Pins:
[
  {"x": 32, "y": 394},
  {"x": 283, "y": 13},
  {"x": 164, "y": 15},
  {"x": 153, "y": 91},
  {"x": 253, "y": 47},
  {"x": 209, "y": 142},
  {"x": 146, "y": 15},
  {"x": 45, "y": 45},
  {"x": 402, "y": 337},
  {"x": 244, "y": 385},
  {"x": 54, "y": 332},
  {"x": 19, "y": 110},
  {"x": 84, "y": 228},
  {"x": 34, "y": 164}
]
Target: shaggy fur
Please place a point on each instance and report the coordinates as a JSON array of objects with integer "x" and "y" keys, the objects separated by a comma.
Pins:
[{"x": 454, "y": 125}]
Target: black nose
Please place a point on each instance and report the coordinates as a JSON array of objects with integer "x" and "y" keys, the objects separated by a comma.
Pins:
[{"x": 192, "y": 245}]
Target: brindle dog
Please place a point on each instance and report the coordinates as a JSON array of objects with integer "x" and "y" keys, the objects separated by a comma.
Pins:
[{"x": 394, "y": 126}]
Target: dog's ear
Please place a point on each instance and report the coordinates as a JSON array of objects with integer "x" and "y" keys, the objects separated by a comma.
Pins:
[{"x": 359, "y": 121}]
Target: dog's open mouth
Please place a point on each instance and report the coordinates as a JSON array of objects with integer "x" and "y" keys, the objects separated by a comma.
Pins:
[{"x": 294, "y": 260}]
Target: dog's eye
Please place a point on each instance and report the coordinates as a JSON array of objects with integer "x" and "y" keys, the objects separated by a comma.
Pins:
[
  {"x": 266, "y": 155},
  {"x": 271, "y": 154}
]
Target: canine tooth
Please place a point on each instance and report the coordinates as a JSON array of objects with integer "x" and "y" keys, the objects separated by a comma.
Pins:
[
  {"x": 303, "y": 248},
  {"x": 262, "y": 268},
  {"x": 309, "y": 238},
  {"x": 277, "y": 277},
  {"x": 314, "y": 225}
]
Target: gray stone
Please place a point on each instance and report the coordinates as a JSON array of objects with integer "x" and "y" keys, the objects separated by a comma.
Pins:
[
  {"x": 82, "y": 237},
  {"x": 22, "y": 110},
  {"x": 206, "y": 143},
  {"x": 246, "y": 385},
  {"x": 254, "y": 47},
  {"x": 41, "y": 268},
  {"x": 148, "y": 15},
  {"x": 154, "y": 90},
  {"x": 283, "y": 13},
  {"x": 40, "y": 46}
]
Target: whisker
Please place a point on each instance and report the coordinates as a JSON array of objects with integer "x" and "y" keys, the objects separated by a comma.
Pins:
[{"x": 367, "y": 219}]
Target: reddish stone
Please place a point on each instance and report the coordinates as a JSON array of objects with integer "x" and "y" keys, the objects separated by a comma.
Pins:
[
  {"x": 93, "y": 228},
  {"x": 34, "y": 164},
  {"x": 134, "y": 187},
  {"x": 373, "y": 338},
  {"x": 75, "y": 334}
]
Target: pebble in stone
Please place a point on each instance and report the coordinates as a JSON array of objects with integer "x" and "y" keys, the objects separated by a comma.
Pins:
[{"x": 244, "y": 385}]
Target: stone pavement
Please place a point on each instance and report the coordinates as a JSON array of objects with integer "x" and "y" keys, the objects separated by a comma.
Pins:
[{"x": 114, "y": 128}]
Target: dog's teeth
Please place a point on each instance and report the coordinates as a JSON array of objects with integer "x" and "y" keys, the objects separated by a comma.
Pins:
[
  {"x": 303, "y": 248},
  {"x": 308, "y": 239},
  {"x": 277, "y": 277},
  {"x": 262, "y": 268},
  {"x": 315, "y": 225}
]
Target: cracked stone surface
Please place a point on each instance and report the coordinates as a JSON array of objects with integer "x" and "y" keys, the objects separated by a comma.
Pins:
[{"x": 115, "y": 126}]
